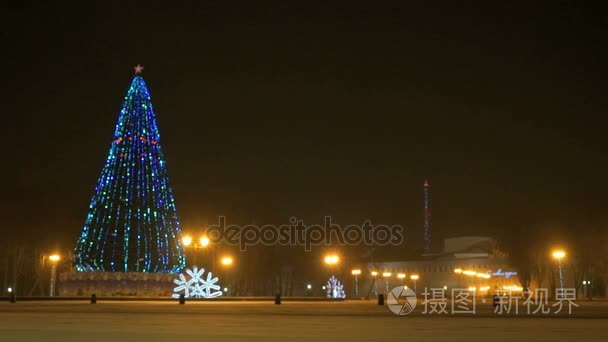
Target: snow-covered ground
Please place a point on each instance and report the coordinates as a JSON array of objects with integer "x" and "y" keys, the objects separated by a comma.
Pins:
[{"x": 291, "y": 321}]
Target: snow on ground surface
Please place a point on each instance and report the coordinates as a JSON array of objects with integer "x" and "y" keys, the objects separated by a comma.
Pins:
[{"x": 292, "y": 321}]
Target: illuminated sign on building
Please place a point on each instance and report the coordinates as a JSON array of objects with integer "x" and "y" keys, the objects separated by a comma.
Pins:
[{"x": 507, "y": 275}]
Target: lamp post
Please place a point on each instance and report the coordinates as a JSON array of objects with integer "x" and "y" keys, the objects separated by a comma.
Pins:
[
  {"x": 202, "y": 243},
  {"x": 227, "y": 262},
  {"x": 331, "y": 260},
  {"x": 559, "y": 254},
  {"x": 190, "y": 257},
  {"x": 375, "y": 275},
  {"x": 356, "y": 273},
  {"x": 414, "y": 277},
  {"x": 401, "y": 276},
  {"x": 53, "y": 259},
  {"x": 586, "y": 283},
  {"x": 386, "y": 276}
]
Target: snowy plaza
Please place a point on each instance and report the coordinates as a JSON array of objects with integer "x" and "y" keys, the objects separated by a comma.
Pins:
[{"x": 290, "y": 321}]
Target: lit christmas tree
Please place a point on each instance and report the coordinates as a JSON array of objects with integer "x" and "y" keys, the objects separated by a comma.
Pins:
[{"x": 132, "y": 224}]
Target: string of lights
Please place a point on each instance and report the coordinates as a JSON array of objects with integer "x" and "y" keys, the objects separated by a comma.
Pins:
[{"x": 132, "y": 223}]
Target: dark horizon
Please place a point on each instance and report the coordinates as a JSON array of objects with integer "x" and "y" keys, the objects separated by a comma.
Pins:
[{"x": 307, "y": 111}]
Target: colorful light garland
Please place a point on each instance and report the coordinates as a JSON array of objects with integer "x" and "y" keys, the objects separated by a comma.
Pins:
[{"x": 132, "y": 223}]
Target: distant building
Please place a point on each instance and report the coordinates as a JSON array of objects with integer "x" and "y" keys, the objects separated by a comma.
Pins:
[{"x": 465, "y": 262}]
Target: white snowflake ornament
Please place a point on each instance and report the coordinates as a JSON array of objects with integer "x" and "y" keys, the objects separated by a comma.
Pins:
[
  {"x": 196, "y": 286},
  {"x": 335, "y": 289}
]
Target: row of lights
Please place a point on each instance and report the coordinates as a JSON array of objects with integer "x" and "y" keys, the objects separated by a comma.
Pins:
[
  {"x": 386, "y": 274},
  {"x": 333, "y": 259},
  {"x": 472, "y": 273},
  {"x": 510, "y": 288},
  {"x": 399, "y": 275}
]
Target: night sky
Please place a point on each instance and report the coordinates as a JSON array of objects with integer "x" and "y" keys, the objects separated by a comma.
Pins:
[{"x": 278, "y": 110}]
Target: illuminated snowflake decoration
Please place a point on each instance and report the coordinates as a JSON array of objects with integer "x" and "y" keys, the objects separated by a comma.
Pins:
[
  {"x": 196, "y": 286},
  {"x": 335, "y": 289}
]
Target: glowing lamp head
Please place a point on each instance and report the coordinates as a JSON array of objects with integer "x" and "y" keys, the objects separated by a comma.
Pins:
[
  {"x": 458, "y": 270},
  {"x": 374, "y": 273},
  {"x": 227, "y": 261},
  {"x": 54, "y": 257},
  {"x": 355, "y": 272},
  {"x": 331, "y": 259},
  {"x": 559, "y": 254},
  {"x": 204, "y": 241},
  {"x": 401, "y": 275},
  {"x": 414, "y": 277},
  {"x": 187, "y": 241},
  {"x": 386, "y": 274}
]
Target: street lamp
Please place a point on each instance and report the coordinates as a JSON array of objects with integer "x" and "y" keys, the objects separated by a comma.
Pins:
[
  {"x": 192, "y": 245},
  {"x": 386, "y": 275},
  {"x": 586, "y": 283},
  {"x": 331, "y": 259},
  {"x": 227, "y": 261},
  {"x": 401, "y": 276},
  {"x": 356, "y": 273},
  {"x": 414, "y": 277},
  {"x": 559, "y": 254},
  {"x": 54, "y": 259},
  {"x": 203, "y": 242}
]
